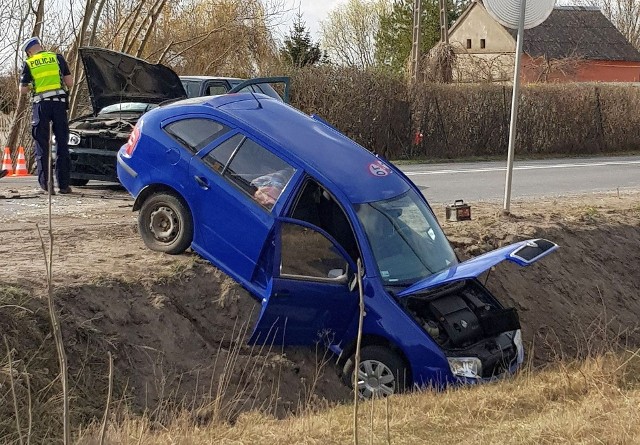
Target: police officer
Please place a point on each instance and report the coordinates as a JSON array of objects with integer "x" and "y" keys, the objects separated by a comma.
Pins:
[{"x": 46, "y": 74}]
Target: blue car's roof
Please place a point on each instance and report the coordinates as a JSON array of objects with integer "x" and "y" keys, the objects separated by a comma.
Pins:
[{"x": 321, "y": 150}]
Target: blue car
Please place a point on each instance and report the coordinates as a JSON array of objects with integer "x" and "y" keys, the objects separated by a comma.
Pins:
[{"x": 287, "y": 205}]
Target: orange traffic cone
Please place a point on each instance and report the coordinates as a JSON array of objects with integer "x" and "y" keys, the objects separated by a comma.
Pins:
[
  {"x": 6, "y": 161},
  {"x": 21, "y": 165}
]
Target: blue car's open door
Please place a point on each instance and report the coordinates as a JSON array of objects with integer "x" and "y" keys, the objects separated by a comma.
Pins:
[
  {"x": 264, "y": 85},
  {"x": 308, "y": 299}
]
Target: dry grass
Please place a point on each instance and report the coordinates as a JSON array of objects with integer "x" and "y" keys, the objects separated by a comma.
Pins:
[
  {"x": 595, "y": 401},
  {"x": 590, "y": 401}
]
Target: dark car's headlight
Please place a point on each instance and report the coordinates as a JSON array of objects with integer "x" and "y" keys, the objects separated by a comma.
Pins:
[{"x": 74, "y": 139}]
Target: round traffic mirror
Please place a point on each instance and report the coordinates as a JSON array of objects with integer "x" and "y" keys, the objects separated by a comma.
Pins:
[{"x": 507, "y": 12}]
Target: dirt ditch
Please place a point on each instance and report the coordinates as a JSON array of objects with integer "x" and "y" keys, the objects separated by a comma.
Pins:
[{"x": 177, "y": 327}]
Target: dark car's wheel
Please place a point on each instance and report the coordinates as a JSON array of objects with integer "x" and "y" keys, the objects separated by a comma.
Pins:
[
  {"x": 382, "y": 372},
  {"x": 78, "y": 182},
  {"x": 165, "y": 223}
]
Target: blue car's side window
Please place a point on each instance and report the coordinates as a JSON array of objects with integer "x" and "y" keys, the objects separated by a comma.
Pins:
[
  {"x": 195, "y": 133},
  {"x": 307, "y": 254},
  {"x": 252, "y": 168}
]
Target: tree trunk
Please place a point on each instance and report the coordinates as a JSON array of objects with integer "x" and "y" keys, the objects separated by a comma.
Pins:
[
  {"x": 17, "y": 120},
  {"x": 154, "y": 17},
  {"x": 80, "y": 39}
]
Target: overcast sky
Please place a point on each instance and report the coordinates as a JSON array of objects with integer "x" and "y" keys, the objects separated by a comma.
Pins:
[{"x": 312, "y": 12}]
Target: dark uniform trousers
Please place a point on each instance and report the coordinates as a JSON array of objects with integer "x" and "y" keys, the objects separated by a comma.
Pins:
[{"x": 51, "y": 110}]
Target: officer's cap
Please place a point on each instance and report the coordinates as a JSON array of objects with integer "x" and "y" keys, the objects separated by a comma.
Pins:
[{"x": 30, "y": 42}]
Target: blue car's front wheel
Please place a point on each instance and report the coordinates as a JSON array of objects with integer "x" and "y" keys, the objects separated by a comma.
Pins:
[
  {"x": 165, "y": 223},
  {"x": 381, "y": 372}
]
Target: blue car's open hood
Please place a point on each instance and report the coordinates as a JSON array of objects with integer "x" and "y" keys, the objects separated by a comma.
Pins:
[{"x": 522, "y": 253}]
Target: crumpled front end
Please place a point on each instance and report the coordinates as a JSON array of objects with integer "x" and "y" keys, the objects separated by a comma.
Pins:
[
  {"x": 94, "y": 143},
  {"x": 480, "y": 338}
]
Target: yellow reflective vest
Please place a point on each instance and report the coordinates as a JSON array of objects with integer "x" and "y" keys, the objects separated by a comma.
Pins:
[{"x": 45, "y": 71}]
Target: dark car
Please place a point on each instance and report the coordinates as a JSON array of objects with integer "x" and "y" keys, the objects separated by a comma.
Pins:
[
  {"x": 196, "y": 86},
  {"x": 287, "y": 206},
  {"x": 122, "y": 88}
]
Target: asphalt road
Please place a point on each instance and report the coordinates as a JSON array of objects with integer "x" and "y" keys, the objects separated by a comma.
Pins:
[{"x": 485, "y": 181}]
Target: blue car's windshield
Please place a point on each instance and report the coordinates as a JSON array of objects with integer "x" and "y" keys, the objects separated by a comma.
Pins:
[{"x": 407, "y": 242}]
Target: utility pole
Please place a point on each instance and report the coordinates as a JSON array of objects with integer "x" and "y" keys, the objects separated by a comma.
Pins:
[
  {"x": 444, "y": 22},
  {"x": 417, "y": 39}
]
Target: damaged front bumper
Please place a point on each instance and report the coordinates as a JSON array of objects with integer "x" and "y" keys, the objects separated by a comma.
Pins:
[
  {"x": 490, "y": 366},
  {"x": 93, "y": 164}
]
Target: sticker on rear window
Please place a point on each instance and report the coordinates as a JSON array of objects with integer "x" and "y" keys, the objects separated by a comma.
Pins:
[{"x": 379, "y": 169}]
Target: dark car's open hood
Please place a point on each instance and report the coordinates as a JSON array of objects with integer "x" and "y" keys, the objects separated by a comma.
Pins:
[
  {"x": 522, "y": 253},
  {"x": 115, "y": 77}
]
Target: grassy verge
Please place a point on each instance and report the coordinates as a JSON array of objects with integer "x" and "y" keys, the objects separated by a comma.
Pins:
[{"x": 594, "y": 401}]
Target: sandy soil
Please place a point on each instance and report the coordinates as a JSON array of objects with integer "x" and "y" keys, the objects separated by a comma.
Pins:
[{"x": 177, "y": 326}]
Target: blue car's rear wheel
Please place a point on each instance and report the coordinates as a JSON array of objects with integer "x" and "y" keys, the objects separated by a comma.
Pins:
[
  {"x": 165, "y": 224},
  {"x": 381, "y": 373}
]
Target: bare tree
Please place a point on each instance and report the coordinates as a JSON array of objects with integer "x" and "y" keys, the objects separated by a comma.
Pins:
[
  {"x": 223, "y": 37},
  {"x": 21, "y": 103},
  {"x": 490, "y": 67},
  {"x": 80, "y": 39},
  {"x": 625, "y": 15},
  {"x": 439, "y": 63},
  {"x": 153, "y": 18},
  {"x": 348, "y": 34},
  {"x": 551, "y": 69},
  {"x": 14, "y": 16}
]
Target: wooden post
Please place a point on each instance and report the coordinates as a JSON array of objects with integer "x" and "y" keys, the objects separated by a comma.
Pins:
[
  {"x": 416, "y": 40},
  {"x": 444, "y": 22}
]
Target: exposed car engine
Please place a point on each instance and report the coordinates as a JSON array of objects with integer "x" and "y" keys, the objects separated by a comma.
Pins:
[
  {"x": 102, "y": 131},
  {"x": 465, "y": 320}
]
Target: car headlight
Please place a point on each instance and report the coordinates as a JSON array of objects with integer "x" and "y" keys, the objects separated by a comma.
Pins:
[
  {"x": 74, "y": 139},
  {"x": 469, "y": 367},
  {"x": 517, "y": 340}
]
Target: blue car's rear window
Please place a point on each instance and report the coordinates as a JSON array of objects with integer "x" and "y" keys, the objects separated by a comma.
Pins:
[
  {"x": 195, "y": 133},
  {"x": 252, "y": 168}
]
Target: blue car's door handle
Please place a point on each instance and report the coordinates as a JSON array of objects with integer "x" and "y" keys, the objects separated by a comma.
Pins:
[
  {"x": 281, "y": 294},
  {"x": 202, "y": 182}
]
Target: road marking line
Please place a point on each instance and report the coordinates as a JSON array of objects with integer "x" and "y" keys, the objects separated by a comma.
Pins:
[{"x": 523, "y": 167}]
